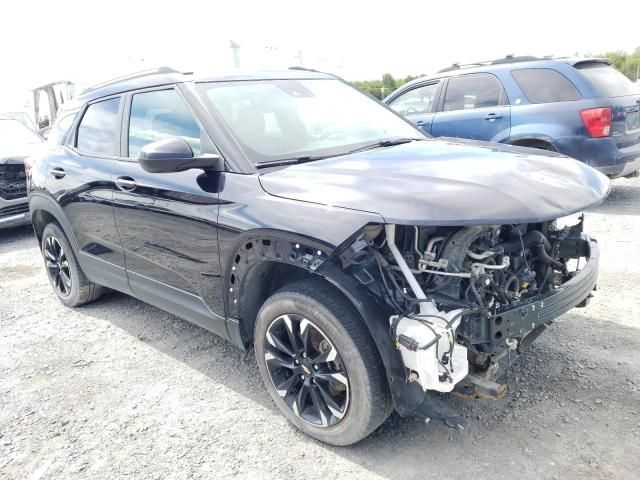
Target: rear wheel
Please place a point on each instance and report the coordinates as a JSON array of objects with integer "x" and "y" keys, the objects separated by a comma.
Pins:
[
  {"x": 320, "y": 365},
  {"x": 64, "y": 272}
]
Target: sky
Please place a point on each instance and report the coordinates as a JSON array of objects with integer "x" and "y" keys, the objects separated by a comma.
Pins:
[{"x": 88, "y": 42}]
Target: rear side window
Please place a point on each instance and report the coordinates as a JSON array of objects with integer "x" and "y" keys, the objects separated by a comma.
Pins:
[
  {"x": 98, "y": 130},
  {"x": 609, "y": 81},
  {"x": 477, "y": 90},
  {"x": 544, "y": 85},
  {"x": 60, "y": 128},
  {"x": 417, "y": 101},
  {"x": 158, "y": 115}
]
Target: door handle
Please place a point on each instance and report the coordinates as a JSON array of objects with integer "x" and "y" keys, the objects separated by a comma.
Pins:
[
  {"x": 422, "y": 123},
  {"x": 492, "y": 116},
  {"x": 57, "y": 172},
  {"x": 126, "y": 184}
]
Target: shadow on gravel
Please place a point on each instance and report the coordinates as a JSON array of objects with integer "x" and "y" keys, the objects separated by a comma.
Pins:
[
  {"x": 17, "y": 234},
  {"x": 576, "y": 358},
  {"x": 622, "y": 200}
]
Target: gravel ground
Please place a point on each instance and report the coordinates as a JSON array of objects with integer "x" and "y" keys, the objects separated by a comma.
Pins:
[{"x": 121, "y": 389}]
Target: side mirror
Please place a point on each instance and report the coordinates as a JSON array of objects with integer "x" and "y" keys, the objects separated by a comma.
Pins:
[
  {"x": 44, "y": 132},
  {"x": 175, "y": 155}
]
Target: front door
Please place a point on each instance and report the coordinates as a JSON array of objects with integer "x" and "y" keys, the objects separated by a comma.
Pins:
[
  {"x": 475, "y": 106},
  {"x": 168, "y": 221},
  {"x": 418, "y": 104}
]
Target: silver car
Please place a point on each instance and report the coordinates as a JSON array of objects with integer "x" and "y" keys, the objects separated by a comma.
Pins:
[{"x": 17, "y": 142}]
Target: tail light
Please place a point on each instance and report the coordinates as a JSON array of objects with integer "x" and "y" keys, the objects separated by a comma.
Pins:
[
  {"x": 29, "y": 162},
  {"x": 597, "y": 121}
]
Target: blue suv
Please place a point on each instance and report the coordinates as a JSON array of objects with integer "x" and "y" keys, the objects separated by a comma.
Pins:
[{"x": 582, "y": 108}]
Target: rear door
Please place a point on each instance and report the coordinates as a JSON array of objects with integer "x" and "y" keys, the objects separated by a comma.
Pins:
[
  {"x": 474, "y": 106},
  {"x": 80, "y": 179},
  {"x": 418, "y": 104},
  {"x": 625, "y": 100},
  {"x": 168, "y": 221}
]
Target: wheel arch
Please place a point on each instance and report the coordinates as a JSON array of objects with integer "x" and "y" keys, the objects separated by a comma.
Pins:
[
  {"x": 263, "y": 261},
  {"x": 534, "y": 141},
  {"x": 45, "y": 210}
]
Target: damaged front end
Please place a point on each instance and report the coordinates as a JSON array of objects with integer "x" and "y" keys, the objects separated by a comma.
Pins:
[{"x": 464, "y": 302}]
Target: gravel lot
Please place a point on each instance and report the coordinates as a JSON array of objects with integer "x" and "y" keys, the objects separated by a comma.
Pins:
[{"x": 120, "y": 389}]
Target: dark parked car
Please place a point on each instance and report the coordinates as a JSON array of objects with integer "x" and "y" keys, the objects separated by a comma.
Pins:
[
  {"x": 364, "y": 261},
  {"x": 582, "y": 108},
  {"x": 17, "y": 142}
]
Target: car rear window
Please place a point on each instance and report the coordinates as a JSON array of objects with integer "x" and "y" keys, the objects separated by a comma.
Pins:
[
  {"x": 544, "y": 85},
  {"x": 609, "y": 81}
]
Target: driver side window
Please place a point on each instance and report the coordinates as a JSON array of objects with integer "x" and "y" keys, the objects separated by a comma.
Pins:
[
  {"x": 158, "y": 115},
  {"x": 417, "y": 101}
]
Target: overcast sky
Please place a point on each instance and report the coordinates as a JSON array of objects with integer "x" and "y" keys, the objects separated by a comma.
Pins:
[{"x": 87, "y": 43}]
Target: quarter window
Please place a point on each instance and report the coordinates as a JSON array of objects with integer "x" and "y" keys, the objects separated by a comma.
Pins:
[
  {"x": 158, "y": 115},
  {"x": 477, "y": 90},
  {"x": 417, "y": 101},
  {"x": 543, "y": 85},
  {"x": 98, "y": 130}
]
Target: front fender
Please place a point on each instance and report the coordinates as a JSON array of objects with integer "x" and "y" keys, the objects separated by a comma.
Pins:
[{"x": 247, "y": 284}]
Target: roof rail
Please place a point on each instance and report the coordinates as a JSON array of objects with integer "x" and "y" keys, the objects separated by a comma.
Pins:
[
  {"x": 131, "y": 76},
  {"x": 305, "y": 69},
  {"x": 510, "y": 58}
]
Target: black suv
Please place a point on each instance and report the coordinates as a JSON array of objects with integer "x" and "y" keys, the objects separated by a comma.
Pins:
[{"x": 366, "y": 262}]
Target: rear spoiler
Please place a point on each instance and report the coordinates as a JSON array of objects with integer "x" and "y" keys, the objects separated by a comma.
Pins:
[{"x": 588, "y": 61}]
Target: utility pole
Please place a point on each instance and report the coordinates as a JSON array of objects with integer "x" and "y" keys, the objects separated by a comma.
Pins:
[{"x": 236, "y": 53}]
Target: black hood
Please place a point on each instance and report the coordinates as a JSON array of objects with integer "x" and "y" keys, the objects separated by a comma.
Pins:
[{"x": 446, "y": 182}]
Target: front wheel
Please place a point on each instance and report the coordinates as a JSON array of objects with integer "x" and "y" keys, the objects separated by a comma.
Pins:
[{"x": 320, "y": 365}]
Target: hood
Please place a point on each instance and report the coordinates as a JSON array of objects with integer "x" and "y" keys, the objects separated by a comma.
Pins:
[
  {"x": 16, "y": 155},
  {"x": 446, "y": 182}
]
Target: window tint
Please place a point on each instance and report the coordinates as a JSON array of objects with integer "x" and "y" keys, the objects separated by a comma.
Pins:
[
  {"x": 478, "y": 90},
  {"x": 609, "y": 81},
  {"x": 416, "y": 101},
  {"x": 158, "y": 115},
  {"x": 543, "y": 85},
  {"x": 98, "y": 130},
  {"x": 60, "y": 128}
]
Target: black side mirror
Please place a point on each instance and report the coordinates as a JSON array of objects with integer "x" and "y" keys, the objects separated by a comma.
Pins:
[{"x": 175, "y": 155}]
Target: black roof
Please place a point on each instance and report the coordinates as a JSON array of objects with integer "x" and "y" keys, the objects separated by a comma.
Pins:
[{"x": 167, "y": 76}]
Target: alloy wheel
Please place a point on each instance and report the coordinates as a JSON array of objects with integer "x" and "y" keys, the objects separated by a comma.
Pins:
[
  {"x": 307, "y": 370},
  {"x": 57, "y": 266}
]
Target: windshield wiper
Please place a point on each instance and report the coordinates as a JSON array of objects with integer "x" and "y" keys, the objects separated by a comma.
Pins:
[
  {"x": 289, "y": 161},
  {"x": 389, "y": 142}
]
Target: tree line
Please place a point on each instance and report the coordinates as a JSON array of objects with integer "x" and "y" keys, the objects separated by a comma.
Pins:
[{"x": 627, "y": 63}]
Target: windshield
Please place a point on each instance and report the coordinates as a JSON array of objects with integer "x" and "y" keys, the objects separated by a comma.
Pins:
[
  {"x": 608, "y": 80},
  {"x": 283, "y": 119},
  {"x": 14, "y": 133}
]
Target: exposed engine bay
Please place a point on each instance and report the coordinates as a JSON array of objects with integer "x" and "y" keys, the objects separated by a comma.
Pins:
[{"x": 467, "y": 300}]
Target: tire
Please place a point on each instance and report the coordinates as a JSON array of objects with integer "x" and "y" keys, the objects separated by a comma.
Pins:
[
  {"x": 78, "y": 290},
  {"x": 317, "y": 311}
]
